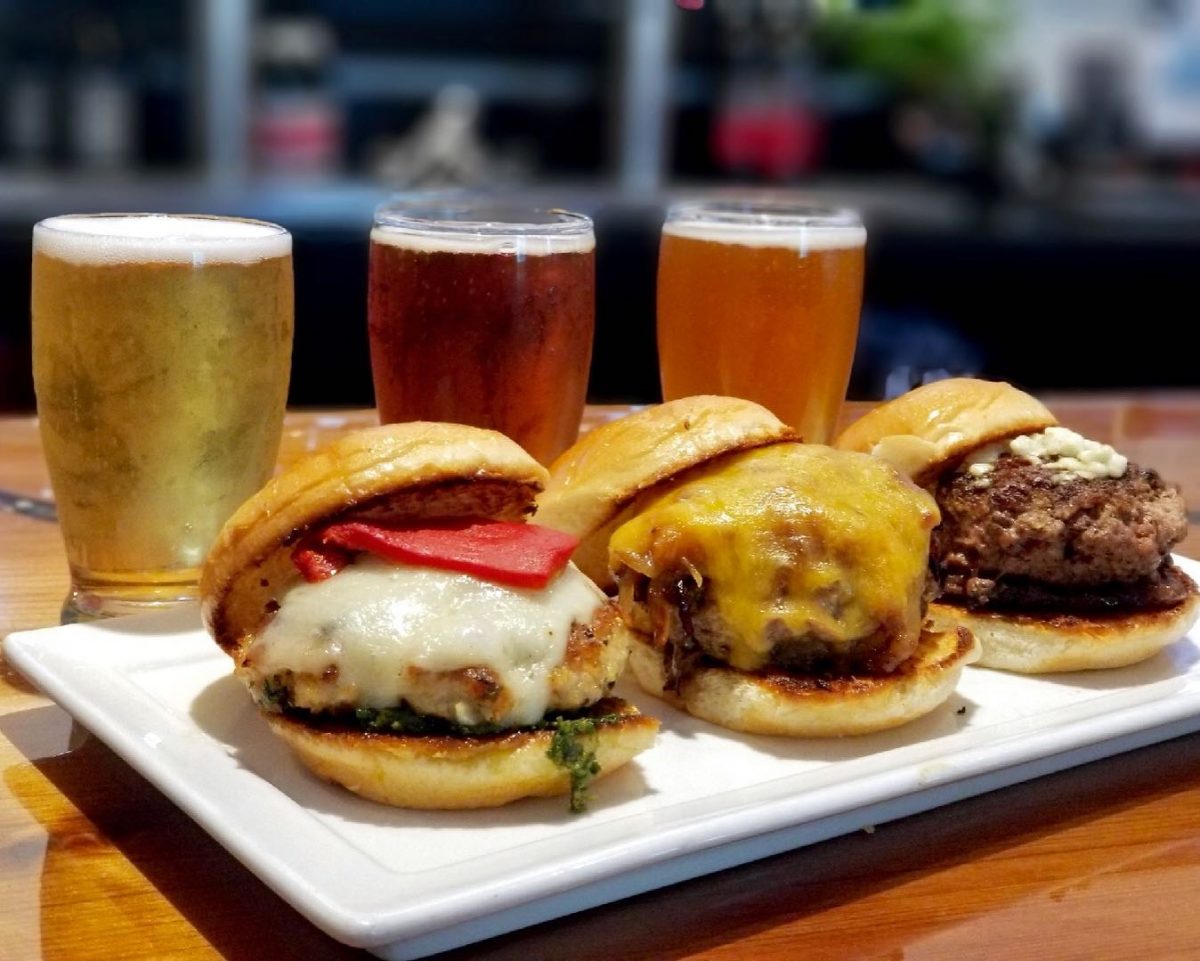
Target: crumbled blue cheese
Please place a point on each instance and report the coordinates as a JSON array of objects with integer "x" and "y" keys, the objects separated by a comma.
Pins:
[{"x": 1066, "y": 454}]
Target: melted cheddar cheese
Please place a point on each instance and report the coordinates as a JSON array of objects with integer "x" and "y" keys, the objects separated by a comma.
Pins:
[{"x": 794, "y": 538}]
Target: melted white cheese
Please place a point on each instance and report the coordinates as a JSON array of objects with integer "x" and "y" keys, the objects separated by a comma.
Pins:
[
  {"x": 375, "y": 619},
  {"x": 1066, "y": 454}
]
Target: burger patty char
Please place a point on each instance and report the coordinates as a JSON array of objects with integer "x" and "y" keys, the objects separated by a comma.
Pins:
[
  {"x": 687, "y": 627},
  {"x": 1019, "y": 537}
]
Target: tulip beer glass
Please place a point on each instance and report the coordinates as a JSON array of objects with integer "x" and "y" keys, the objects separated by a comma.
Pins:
[
  {"x": 161, "y": 352},
  {"x": 482, "y": 313},
  {"x": 762, "y": 301}
]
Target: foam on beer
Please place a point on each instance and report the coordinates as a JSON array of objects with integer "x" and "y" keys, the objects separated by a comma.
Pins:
[
  {"x": 159, "y": 238},
  {"x": 531, "y": 244},
  {"x": 798, "y": 237}
]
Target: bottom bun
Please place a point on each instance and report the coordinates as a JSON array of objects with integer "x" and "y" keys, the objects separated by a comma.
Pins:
[
  {"x": 452, "y": 773},
  {"x": 800, "y": 705},
  {"x": 1047, "y": 643}
]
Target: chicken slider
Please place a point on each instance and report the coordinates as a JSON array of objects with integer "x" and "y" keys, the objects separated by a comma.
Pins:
[{"x": 410, "y": 636}]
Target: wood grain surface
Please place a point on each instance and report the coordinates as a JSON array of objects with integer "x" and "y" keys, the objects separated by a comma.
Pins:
[{"x": 1100, "y": 862}]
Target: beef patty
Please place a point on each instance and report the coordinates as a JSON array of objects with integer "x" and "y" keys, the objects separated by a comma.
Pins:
[
  {"x": 1022, "y": 538},
  {"x": 686, "y": 625}
]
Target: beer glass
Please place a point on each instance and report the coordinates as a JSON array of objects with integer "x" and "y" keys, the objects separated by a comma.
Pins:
[
  {"x": 761, "y": 300},
  {"x": 481, "y": 313},
  {"x": 161, "y": 355}
]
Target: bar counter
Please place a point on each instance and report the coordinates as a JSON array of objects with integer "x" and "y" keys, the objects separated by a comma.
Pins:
[{"x": 1098, "y": 862}]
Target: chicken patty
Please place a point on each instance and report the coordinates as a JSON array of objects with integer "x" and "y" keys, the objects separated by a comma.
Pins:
[
  {"x": 594, "y": 658},
  {"x": 1022, "y": 537}
]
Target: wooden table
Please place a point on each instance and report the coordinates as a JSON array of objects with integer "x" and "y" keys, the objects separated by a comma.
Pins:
[{"x": 1100, "y": 862}]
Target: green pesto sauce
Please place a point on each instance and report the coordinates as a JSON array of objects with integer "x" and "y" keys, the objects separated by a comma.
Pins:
[
  {"x": 404, "y": 720},
  {"x": 275, "y": 694},
  {"x": 573, "y": 749}
]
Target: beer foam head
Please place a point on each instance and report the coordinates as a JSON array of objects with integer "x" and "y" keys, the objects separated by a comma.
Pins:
[
  {"x": 465, "y": 242},
  {"x": 434, "y": 224},
  {"x": 159, "y": 238},
  {"x": 766, "y": 225}
]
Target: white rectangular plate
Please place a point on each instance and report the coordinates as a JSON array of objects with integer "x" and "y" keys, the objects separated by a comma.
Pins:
[{"x": 405, "y": 884}]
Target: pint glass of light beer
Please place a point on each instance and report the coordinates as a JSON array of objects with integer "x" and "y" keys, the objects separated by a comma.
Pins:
[
  {"x": 161, "y": 354},
  {"x": 482, "y": 313},
  {"x": 762, "y": 301}
]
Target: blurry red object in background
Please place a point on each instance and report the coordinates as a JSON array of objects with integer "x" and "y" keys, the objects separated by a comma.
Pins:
[{"x": 774, "y": 137}]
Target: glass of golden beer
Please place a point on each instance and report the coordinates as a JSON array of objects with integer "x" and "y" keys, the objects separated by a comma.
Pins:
[
  {"x": 161, "y": 355},
  {"x": 761, "y": 300},
  {"x": 482, "y": 313}
]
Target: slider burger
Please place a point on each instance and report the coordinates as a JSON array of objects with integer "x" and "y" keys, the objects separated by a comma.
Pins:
[
  {"x": 775, "y": 587},
  {"x": 410, "y": 636},
  {"x": 1053, "y": 549}
]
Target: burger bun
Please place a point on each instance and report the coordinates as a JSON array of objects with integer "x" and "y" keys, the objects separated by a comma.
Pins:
[
  {"x": 455, "y": 773},
  {"x": 1048, "y": 643},
  {"x": 800, "y": 705},
  {"x": 931, "y": 428}
]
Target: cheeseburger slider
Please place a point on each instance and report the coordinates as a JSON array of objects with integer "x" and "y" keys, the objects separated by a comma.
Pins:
[
  {"x": 410, "y": 636},
  {"x": 775, "y": 587},
  {"x": 1053, "y": 549}
]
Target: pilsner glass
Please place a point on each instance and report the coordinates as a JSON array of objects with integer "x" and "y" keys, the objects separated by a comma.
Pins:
[
  {"x": 761, "y": 300},
  {"x": 482, "y": 313},
  {"x": 161, "y": 355}
]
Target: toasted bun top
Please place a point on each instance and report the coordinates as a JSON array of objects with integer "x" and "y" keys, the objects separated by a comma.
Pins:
[
  {"x": 607, "y": 468},
  {"x": 933, "y": 427},
  {"x": 414, "y": 470}
]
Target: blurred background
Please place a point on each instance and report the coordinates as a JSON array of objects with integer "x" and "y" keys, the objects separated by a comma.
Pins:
[{"x": 1029, "y": 170}]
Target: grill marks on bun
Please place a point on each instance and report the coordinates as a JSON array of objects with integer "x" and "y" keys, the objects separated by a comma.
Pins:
[
  {"x": 1033, "y": 644},
  {"x": 455, "y": 773},
  {"x": 800, "y": 705}
]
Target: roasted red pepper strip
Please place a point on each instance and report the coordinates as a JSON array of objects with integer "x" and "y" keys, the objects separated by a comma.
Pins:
[
  {"x": 316, "y": 561},
  {"x": 516, "y": 554}
]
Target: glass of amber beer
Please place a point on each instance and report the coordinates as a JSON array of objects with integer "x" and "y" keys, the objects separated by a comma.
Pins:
[
  {"x": 161, "y": 355},
  {"x": 482, "y": 313},
  {"x": 761, "y": 300}
]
